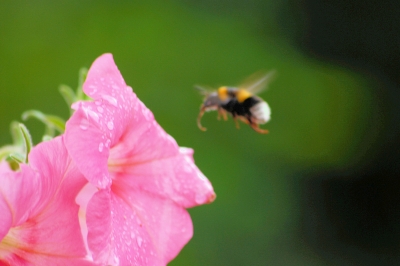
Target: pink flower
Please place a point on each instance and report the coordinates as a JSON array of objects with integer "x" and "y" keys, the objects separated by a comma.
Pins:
[
  {"x": 146, "y": 181},
  {"x": 39, "y": 217}
]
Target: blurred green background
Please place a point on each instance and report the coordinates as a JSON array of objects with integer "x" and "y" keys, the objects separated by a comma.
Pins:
[{"x": 321, "y": 189}]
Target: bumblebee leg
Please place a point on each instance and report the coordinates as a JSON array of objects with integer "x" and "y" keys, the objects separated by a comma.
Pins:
[
  {"x": 224, "y": 115},
  {"x": 235, "y": 118},
  {"x": 222, "y": 112},
  {"x": 257, "y": 129},
  {"x": 202, "y": 110},
  {"x": 244, "y": 120},
  {"x": 219, "y": 113}
]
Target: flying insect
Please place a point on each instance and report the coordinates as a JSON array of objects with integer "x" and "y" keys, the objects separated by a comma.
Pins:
[{"x": 240, "y": 102}]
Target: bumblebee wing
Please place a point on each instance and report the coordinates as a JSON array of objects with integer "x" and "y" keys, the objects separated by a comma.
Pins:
[
  {"x": 204, "y": 90},
  {"x": 257, "y": 82}
]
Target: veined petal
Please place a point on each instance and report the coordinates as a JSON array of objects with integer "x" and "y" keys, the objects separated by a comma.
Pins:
[
  {"x": 98, "y": 125},
  {"x": 146, "y": 157},
  {"x": 145, "y": 179},
  {"x": 143, "y": 140},
  {"x": 88, "y": 145},
  {"x": 144, "y": 229},
  {"x": 176, "y": 178},
  {"x": 15, "y": 191},
  {"x": 50, "y": 234},
  {"x": 100, "y": 224}
]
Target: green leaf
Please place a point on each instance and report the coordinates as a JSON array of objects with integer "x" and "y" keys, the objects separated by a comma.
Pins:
[
  {"x": 47, "y": 138},
  {"x": 5, "y": 151},
  {"x": 27, "y": 139},
  {"x": 16, "y": 157},
  {"x": 52, "y": 122},
  {"x": 57, "y": 122},
  {"x": 16, "y": 135},
  {"x": 14, "y": 160},
  {"x": 82, "y": 77},
  {"x": 68, "y": 95}
]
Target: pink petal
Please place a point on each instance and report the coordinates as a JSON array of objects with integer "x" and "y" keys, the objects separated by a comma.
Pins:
[
  {"x": 97, "y": 126},
  {"x": 146, "y": 157},
  {"x": 87, "y": 146},
  {"x": 15, "y": 191},
  {"x": 99, "y": 224},
  {"x": 16, "y": 260},
  {"x": 143, "y": 139},
  {"x": 144, "y": 229},
  {"x": 50, "y": 234},
  {"x": 176, "y": 178},
  {"x": 83, "y": 199},
  {"x": 6, "y": 217}
]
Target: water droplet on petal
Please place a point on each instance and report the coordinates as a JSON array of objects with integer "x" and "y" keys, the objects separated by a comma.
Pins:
[
  {"x": 91, "y": 114},
  {"x": 147, "y": 114},
  {"x": 132, "y": 235},
  {"x": 108, "y": 141},
  {"x": 84, "y": 124},
  {"x": 110, "y": 125},
  {"x": 201, "y": 176},
  {"x": 100, "y": 109},
  {"x": 111, "y": 100},
  {"x": 101, "y": 145},
  {"x": 139, "y": 241}
]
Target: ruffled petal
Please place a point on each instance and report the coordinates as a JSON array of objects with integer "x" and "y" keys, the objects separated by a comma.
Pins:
[
  {"x": 17, "y": 188},
  {"x": 176, "y": 178},
  {"x": 88, "y": 145},
  {"x": 143, "y": 140},
  {"x": 50, "y": 234},
  {"x": 145, "y": 229},
  {"x": 99, "y": 225},
  {"x": 96, "y": 126},
  {"x": 146, "y": 157}
]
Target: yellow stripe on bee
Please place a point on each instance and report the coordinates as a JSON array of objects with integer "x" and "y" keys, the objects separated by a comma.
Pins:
[
  {"x": 223, "y": 93},
  {"x": 242, "y": 95}
]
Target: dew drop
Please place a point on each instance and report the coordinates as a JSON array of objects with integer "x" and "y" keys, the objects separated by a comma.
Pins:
[
  {"x": 111, "y": 100},
  {"x": 92, "y": 114},
  {"x": 101, "y": 145},
  {"x": 147, "y": 114},
  {"x": 139, "y": 241},
  {"x": 110, "y": 125},
  {"x": 132, "y": 235},
  {"x": 84, "y": 125},
  {"x": 108, "y": 141},
  {"x": 201, "y": 176},
  {"x": 100, "y": 109}
]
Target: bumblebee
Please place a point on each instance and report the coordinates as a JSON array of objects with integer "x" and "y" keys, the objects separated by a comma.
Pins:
[{"x": 240, "y": 102}]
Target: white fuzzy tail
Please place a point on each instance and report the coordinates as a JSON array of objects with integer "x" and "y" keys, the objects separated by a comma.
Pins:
[{"x": 261, "y": 112}]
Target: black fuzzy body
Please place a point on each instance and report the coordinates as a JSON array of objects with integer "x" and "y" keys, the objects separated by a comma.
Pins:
[{"x": 234, "y": 107}]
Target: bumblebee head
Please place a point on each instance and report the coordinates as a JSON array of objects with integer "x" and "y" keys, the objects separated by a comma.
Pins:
[{"x": 211, "y": 102}]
